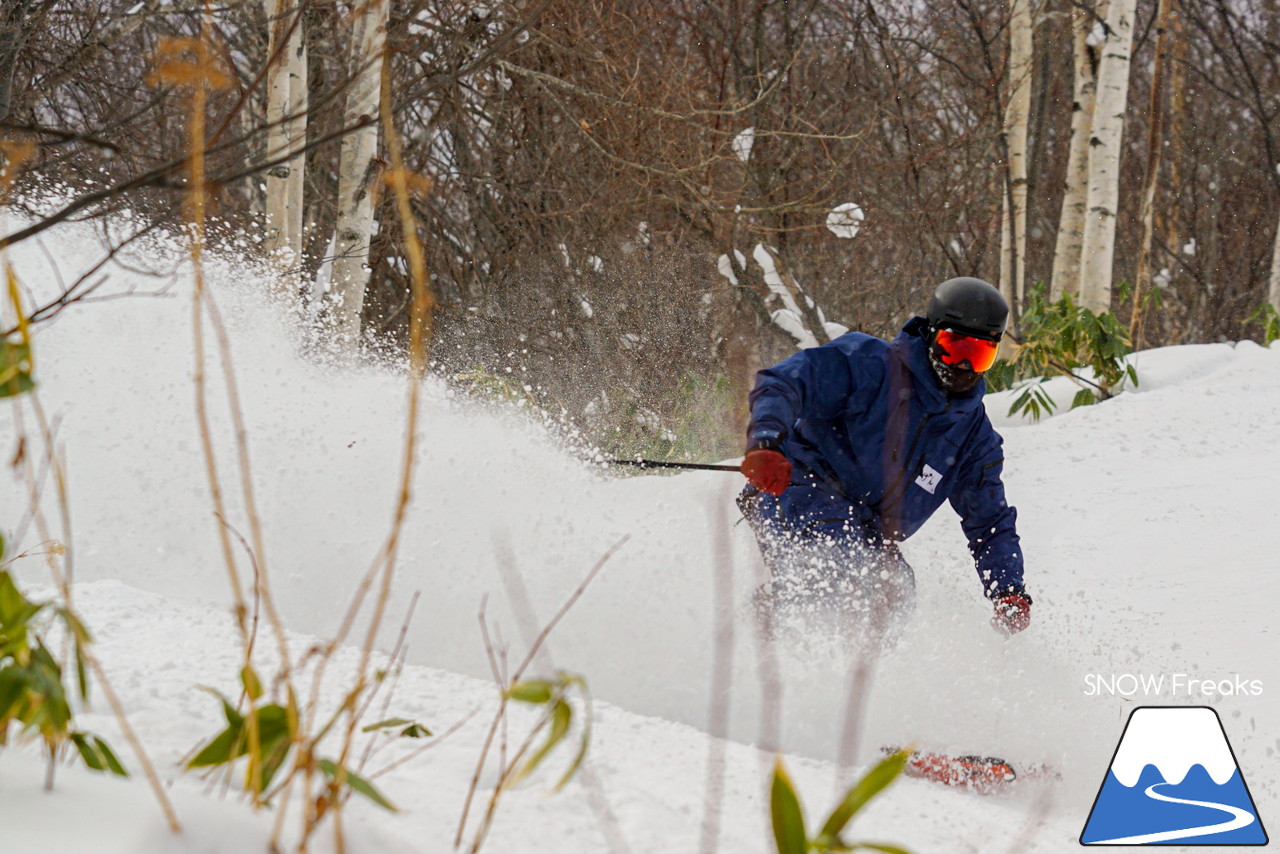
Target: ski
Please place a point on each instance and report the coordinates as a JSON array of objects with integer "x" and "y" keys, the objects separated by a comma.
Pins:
[{"x": 981, "y": 774}]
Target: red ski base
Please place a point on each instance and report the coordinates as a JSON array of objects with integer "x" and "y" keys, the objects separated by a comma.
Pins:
[{"x": 981, "y": 774}]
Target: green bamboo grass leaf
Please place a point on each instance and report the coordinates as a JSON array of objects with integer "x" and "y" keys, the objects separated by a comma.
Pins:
[
  {"x": 561, "y": 718},
  {"x": 356, "y": 783},
  {"x": 114, "y": 765},
  {"x": 584, "y": 743},
  {"x": 80, "y": 637},
  {"x": 275, "y": 738},
  {"x": 15, "y": 369},
  {"x": 534, "y": 691},
  {"x": 872, "y": 783},
  {"x": 788, "y": 818},
  {"x": 13, "y": 688},
  {"x": 15, "y": 610},
  {"x": 222, "y": 748},
  {"x": 387, "y": 724},
  {"x": 1083, "y": 397},
  {"x": 18, "y": 383},
  {"x": 97, "y": 754},
  {"x": 228, "y": 710},
  {"x": 408, "y": 728},
  {"x": 227, "y": 745},
  {"x": 82, "y": 672},
  {"x": 273, "y": 723},
  {"x": 92, "y": 758},
  {"x": 252, "y": 684}
]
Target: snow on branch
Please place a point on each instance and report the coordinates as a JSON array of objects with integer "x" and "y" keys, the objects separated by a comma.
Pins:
[{"x": 799, "y": 314}]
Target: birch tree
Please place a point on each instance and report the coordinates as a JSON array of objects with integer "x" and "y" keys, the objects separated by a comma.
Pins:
[
  {"x": 1273, "y": 293},
  {"x": 286, "y": 118},
  {"x": 1066, "y": 258},
  {"x": 1155, "y": 151},
  {"x": 1013, "y": 233},
  {"x": 1098, "y": 248},
  {"x": 356, "y": 172}
]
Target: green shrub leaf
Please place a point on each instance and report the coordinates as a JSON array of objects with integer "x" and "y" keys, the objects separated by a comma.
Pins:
[
  {"x": 114, "y": 765},
  {"x": 92, "y": 758},
  {"x": 1083, "y": 397},
  {"x": 356, "y": 783},
  {"x": 583, "y": 744},
  {"x": 252, "y": 685},
  {"x": 788, "y": 819},
  {"x": 408, "y": 728},
  {"x": 97, "y": 754},
  {"x": 532, "y": 691},
  {"x": 561, "y": 718},
  {"x": 222, "y": 748},
  {"x": 884, "y": 773},
  {"x": 13, "y": 688}
]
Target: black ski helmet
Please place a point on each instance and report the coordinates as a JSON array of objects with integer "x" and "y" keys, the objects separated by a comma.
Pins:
[{"x": 969, "y": 305}]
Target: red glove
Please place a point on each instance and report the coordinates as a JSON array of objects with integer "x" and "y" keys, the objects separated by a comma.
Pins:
[
  {"x": 768, "y": 470},
  {"x": 1013, "y": 613}
]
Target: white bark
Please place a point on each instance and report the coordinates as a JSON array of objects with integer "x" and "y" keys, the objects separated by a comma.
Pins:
[
  {"x": 1155, "y": 153},
  {"x": 1098, "y": 249},
  {"x": 1013, "y": 231},
  {"x": 1273, "y": 295},
  {"x": 286, "y": 131},
  {"x": 1066, "y": 257},
  {"x": 299, "y": 99},
  {"x": 356, "y": 173}
]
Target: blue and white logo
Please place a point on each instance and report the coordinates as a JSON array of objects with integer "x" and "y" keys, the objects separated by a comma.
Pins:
[{"x": 1174, "y": 780}]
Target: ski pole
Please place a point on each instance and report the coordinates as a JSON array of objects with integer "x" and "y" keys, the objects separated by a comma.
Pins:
[{"x": 659, "y": 464}]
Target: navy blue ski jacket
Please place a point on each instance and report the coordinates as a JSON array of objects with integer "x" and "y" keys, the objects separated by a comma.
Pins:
[{"x": 864, "y": 420}]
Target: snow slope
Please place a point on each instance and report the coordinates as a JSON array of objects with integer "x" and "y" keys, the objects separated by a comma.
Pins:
[{"x": 1145, "y": 522}]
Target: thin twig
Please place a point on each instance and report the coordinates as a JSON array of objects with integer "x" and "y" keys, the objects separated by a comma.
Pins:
[
  {"x": 398, "y": 655},
  {"x": 408, "y": 757},
  {"x": 534, "y": 648},
  {"x": 61, "y": 580},
  {"x": 419, "y": 329}
]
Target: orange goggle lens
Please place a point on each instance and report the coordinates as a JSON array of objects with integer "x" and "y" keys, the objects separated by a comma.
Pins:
[{"x": 956, "y": 349}]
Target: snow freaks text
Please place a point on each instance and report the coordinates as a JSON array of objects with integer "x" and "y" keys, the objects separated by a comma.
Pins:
[{"x": 1169, "y": 684}]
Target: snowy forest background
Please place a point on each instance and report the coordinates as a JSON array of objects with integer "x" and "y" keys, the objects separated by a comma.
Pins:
[
  {"x": 594, "y": 177},
  {"x": 611, "y": 214}
]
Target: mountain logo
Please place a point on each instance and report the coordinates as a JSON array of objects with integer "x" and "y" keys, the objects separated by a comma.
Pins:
[{"x": 1174, "y": 780}]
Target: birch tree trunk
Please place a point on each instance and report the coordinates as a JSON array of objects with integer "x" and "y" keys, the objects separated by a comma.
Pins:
[
  {"x": 1167, "y": 215},
  {"x": 356, "y": 171},
  {"x": 1098, "y": 249},
  {"x": 299, "y": 97},
  {"x": 286, "y": 131},
  {"x": 1066, "y": 256},
  {"x": 1155, "y": 151},
  {"x": 1273, "y": 295},
  {"x": 1013, "y": 232}
]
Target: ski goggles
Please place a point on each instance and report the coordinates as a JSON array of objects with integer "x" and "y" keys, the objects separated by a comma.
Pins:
[{"x": 955, "y": 348}]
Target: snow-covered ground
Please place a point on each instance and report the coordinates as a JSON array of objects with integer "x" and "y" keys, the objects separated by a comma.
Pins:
[{"x": 1147, "y": 524}]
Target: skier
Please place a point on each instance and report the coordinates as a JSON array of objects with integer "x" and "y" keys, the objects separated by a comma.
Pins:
[{"x": 854, "y": 444}]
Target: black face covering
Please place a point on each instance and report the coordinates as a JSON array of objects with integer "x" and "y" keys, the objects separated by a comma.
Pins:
[{"x": 953, "y": 380}]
